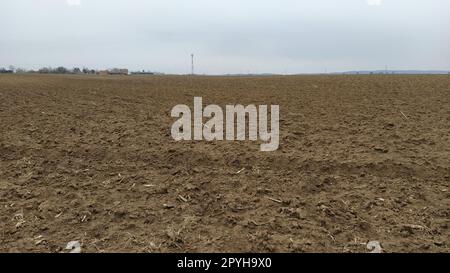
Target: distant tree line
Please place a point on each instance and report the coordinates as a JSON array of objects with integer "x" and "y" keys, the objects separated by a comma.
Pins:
[
  {"x": 9, "y": 70},
  {"x": 76, "y": 70},
  {"x": 63, "y": 70},
  {"x": 4, "y": 71},
  {"x": 49, "y": 70}
]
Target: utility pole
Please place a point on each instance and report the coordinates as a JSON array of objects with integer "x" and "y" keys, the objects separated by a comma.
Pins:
[{"x": 192, "y": 64}]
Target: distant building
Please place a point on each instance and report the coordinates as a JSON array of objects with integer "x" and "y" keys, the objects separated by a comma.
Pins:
[
  {"x": 118, "y": 71},
  {"x": 102, "y": 72},
  {"x": 114, "y": 71},
  {"x": 143, "y": 72}
]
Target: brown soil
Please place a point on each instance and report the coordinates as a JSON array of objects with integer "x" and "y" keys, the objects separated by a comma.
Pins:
[{"x": 91, "y": 159}]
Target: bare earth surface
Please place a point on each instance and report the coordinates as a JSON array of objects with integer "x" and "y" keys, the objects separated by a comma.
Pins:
[{"x": 91, "y": 159}]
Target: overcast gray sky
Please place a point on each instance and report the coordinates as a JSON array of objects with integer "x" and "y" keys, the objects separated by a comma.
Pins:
[{"x": 227, "y": 36}]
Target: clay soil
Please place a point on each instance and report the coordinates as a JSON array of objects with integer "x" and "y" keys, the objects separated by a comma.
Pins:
[{"x": 91, "y": 158}]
